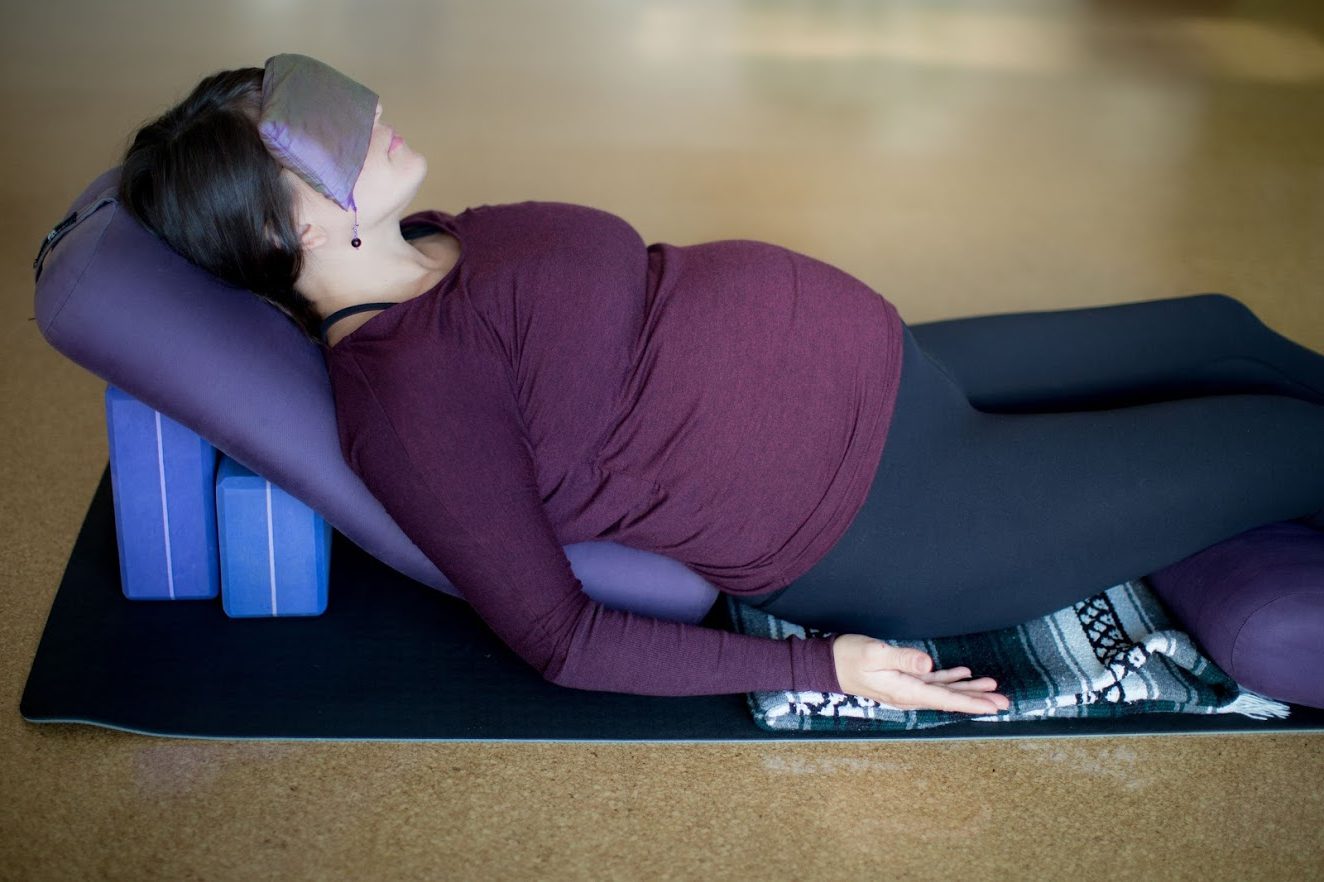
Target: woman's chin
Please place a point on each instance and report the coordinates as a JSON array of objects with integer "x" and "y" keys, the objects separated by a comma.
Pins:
[{"x": 417, "y": 163}]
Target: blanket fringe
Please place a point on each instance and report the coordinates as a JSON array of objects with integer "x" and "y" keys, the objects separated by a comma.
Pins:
[{"x": 1256, "y": 706}]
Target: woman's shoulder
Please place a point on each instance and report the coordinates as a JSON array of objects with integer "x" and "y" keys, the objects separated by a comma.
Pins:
[
  {"x": 532, "y": 233},
  {"x": 562, "y": 231},
  {"x": 530, "y": 216}
]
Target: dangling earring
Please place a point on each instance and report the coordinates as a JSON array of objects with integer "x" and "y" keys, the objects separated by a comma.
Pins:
[{"x": 356, "y": 241}]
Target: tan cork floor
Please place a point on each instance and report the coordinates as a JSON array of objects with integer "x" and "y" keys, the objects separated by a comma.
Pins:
[{"x": 960, "y": 157}]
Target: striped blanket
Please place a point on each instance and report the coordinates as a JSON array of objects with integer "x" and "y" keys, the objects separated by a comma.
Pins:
[{"x": 1111, "y": 654}]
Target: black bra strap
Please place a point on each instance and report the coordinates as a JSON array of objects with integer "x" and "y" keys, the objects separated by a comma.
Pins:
[{"x": 348, "y": 311}]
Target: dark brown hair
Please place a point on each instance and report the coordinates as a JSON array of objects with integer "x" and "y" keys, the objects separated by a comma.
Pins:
[{"x": 200, "y": 178}]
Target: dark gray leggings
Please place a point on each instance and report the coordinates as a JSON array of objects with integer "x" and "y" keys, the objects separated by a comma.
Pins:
[{"x": 1037, "y": 458}]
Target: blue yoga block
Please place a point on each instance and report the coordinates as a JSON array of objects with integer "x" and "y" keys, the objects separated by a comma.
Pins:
[
  {"x": 275, "y": 550},
  {"x": 163, "y": 482}
]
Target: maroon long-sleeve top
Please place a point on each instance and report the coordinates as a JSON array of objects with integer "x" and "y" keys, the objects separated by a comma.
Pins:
[{"x": 724, "y": 404}]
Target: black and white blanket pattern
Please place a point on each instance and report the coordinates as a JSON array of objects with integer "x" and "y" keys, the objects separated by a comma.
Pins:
[{"x": 1115, "y": 653}]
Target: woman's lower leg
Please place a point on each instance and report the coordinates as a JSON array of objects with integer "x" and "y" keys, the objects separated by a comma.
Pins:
[{"x": 1119, "y": 355}]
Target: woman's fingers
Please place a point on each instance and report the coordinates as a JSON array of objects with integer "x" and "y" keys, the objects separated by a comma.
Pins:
[
  {"x": 907, "y": 676},
  {"x": 952, "y": 675},
  {"x": 911, "y": 692},
  {"x": 954, "y": 679},
  {"x": 984, "y": 683},
  {"x": 972, "y": 696},
  {"x": 944, "y": 698}
]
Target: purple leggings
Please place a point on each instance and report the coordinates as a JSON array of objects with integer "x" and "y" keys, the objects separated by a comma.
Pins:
[{"x": 1037, "y": 458}]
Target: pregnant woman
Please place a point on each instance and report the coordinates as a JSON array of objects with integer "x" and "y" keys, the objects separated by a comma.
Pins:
[{"x": 519, "y": 377}]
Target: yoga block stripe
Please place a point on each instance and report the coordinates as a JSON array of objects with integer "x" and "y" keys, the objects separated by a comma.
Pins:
[
  {"x": 275, "y": 550},
  {"x": 163, "y": 483}
]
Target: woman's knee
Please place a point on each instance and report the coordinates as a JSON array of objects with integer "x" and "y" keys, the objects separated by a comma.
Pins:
[
  {"x": 1229, "y": 306},
  {"x": 1235, "y": 322}
]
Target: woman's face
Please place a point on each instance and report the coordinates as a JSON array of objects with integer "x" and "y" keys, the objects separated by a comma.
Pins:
[
  {"x": 387, "y": 184},
  {"x": 391, "y": 175}
]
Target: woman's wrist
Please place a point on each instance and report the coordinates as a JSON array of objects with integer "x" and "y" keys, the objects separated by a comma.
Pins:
[{"x": 840, "y": 662}]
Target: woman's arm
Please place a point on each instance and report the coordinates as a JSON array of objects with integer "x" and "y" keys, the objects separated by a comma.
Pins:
[{"x": 456, "y": 473}]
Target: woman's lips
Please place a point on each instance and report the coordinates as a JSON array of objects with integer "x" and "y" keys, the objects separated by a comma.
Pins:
[{"x": 396, "y": 141}]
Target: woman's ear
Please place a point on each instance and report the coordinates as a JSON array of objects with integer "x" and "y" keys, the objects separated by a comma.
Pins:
[{"x": 311, "y": 236}]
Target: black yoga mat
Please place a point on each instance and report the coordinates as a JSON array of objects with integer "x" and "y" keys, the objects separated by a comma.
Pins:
[{"x": 390, "y": 659}]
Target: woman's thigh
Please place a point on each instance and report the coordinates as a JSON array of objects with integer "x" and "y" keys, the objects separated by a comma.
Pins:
[{"x": 982, "y": 520}]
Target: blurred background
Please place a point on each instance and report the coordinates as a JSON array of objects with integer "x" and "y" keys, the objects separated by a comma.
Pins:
[{"x": 960, "y": 157}]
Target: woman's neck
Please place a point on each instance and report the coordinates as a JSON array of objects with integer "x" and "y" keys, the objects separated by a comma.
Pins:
[{"x": 436, "y": 256}]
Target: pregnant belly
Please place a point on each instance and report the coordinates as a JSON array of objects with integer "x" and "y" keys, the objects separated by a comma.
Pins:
[{"x": 751, "y": 392}]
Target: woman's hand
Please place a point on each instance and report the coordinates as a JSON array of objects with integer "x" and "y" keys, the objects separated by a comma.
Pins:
[{"x": 902, "y": 678}]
